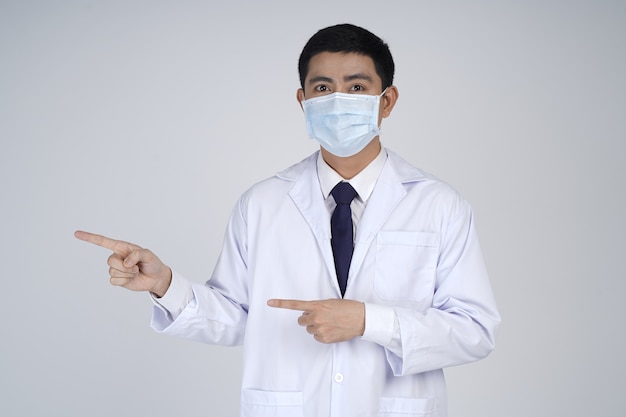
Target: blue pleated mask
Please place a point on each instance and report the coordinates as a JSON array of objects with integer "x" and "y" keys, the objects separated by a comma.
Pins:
[{"x": 343, "y": 124}]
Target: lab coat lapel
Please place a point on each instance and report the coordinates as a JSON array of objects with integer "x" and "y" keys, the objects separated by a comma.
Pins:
[
  {"x": 307, "y": 197},
  {"x": 387, "y": 194}
]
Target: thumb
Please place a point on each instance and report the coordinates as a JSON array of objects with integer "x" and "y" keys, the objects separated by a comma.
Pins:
[{"x": 134, "y": 257}]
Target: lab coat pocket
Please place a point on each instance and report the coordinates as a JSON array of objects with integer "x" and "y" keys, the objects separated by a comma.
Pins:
[
  {"x": 406, "y": 264},
  {"x": 257, "y": 403},
  {"x": 407, "y": 407}
]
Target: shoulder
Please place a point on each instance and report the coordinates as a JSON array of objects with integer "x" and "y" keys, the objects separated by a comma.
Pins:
[
  {"x": 422, "y": 186},
  {"x": 279, "y": 184},
  {"x": 412, "y": 177}
]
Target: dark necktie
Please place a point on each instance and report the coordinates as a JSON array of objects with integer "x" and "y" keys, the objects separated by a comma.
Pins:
[{"x": 342, "y": 241}]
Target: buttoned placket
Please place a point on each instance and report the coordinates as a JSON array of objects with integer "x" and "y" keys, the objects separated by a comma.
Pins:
[{"x": 339, "y": 379}]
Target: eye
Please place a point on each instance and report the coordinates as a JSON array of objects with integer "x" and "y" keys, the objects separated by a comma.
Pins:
[
  {"x": 321, "y": 88},
  {"x": 357, "y": 88}
]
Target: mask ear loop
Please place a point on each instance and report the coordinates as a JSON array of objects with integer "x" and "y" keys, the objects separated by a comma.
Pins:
[{"x": 381, "y": 96}]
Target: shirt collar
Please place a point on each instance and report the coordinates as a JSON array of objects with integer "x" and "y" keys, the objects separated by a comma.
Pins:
[{"x": 363, "y": 182}]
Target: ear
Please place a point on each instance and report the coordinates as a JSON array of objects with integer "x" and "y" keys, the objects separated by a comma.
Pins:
[
  {"x": 300, "y": 96},
  {"x": 389, "y": 101}
]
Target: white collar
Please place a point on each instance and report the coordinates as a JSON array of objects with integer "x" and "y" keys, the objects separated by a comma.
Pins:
[{"x": 363, "y": 182}]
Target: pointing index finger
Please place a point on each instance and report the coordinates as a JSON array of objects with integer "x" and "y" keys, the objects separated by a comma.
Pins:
[
  {"x": 290, "y": 304},
  {"x": 118, "y": 246}
]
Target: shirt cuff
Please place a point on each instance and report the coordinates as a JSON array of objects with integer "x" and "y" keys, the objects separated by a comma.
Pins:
[
  {"x": 176, "y": 298},
  {"x": 380, "y": 323}
]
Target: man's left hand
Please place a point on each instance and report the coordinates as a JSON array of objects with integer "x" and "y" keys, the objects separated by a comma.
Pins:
[{"x": 329, "y": 321}]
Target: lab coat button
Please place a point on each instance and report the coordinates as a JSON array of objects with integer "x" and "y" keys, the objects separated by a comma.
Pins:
[{"x": 338, "y": 377}]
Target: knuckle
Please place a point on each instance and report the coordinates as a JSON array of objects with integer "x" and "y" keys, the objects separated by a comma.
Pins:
[
  {"x": 114, "y": 260},
  {"x": 316, "y": 320},
  {"x": 119, "y": 281}
]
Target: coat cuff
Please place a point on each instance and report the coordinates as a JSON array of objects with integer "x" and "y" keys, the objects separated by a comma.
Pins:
[{"x": 176, "y": 298}]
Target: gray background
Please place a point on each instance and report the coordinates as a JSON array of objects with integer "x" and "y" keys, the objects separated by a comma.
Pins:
[{"x": 145, "y": 120}]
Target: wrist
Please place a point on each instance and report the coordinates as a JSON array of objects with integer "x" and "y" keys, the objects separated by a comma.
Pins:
[{"x": 163, "y": 284}]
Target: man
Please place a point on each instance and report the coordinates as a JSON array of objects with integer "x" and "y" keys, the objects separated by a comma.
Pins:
[{"x": 384, "y": 275}]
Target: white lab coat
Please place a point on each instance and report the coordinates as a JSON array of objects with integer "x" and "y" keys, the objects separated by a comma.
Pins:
[{"x": 416, "y": 252}]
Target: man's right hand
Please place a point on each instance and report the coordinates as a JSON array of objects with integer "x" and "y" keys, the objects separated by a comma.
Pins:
[{"x": 131, "y": 266}]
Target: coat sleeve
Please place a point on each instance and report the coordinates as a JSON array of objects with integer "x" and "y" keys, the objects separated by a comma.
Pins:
[
  {"x": 460, "y": 327},
  {"x": 217, "y": 311}
]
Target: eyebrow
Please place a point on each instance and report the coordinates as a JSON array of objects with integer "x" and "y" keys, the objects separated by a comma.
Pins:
[
  {"x": 358, "y": 76},
  {"x": 320, "y": 79}
]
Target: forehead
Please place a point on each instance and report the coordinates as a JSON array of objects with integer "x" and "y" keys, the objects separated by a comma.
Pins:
[{"x": 339, "y": 65}]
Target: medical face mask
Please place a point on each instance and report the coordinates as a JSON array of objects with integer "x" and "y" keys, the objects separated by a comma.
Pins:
[{"x": 342, "y": 123}]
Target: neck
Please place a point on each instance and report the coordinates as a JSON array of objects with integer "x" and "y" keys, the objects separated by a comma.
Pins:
[{"x": 350, "y": 166}]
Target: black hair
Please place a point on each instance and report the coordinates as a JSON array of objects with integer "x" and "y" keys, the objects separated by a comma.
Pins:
[{"x": 349, "y": 38}]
